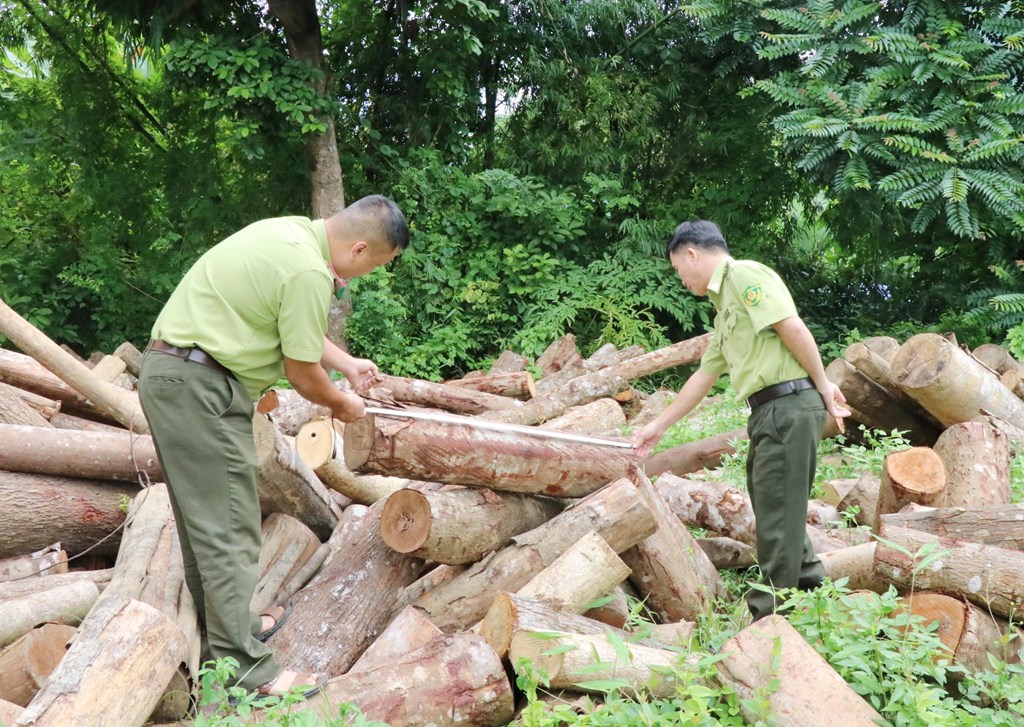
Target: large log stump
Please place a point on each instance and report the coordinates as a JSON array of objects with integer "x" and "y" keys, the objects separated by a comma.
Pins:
[
  {"x": 1001, "y": 526},
  {"x": 26, "y": 664},
  {"x": 461, "y": 454},
  {"x": 771, "y": 653},
  {"x": 94, "y": 455},
  {"x": 951, "y": 384},
  {"x": 976, "y": 457},
  {"x": 460, "y": 525},
  {"x": 911, "y": 475},
  {"x": 115, "y": 671}
]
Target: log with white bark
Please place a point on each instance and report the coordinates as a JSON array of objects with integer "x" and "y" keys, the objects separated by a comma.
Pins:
[
  {"x": 287, "y": 484},
  {"x": 434, "y": 578},
  {"x": 462, "y": 454},
  {"x": 442, "y": 396},
  {"x": 728, "y": 553},
  {"x": 1014, "y": 381},
  {"x": 617, "y": 513},
  {"x": 559, "y": 354},
  {"x": 26, "y": 664},
  {"x": 30, "y": 586},
  {"x": 508, "y": 362},
  {"x": 44, "y": 406},
  {"x": 977, "y": 461},
  {"x": 451, "y": 681},
  {"x": 287, "y": 545},
  {"x": 95, "y": 455},
  {"x": 602, "y": 358},
  {"x": 460, "y": 525},
  {"x": 109, "y": 368},
  {"x": 350, "y": 601},
  {"x": 408, "y": 631},
  {"x": 14, "y": 409},
  {"x": 109, "y": 400},
  {"x": 857, "y": 565},
  {"x": 60, "y": 420},
  {"x": 669, "y": 570},
  {"x": 131, "y": 356},
  {"x": 988, "y": 576},
  {"x": 572, "y": 660},
  {"x": 694, "y": 456},
  {"x": 603, "y": 415},
  {"x": 1014, "y": 435},
  {"x": 911, "y": 475},
  {"x": 40, "y": 510},
  {"x": 24, "y": 372},
  {"x": 770, "y": 661},
  {"x": 115, "y": 671},
  {"x": 516, "y": 385},
  {"x": 996, "y": 358},
  {"x": 47, "y": 561},
  {"x": 1001, "y": 526},
  {"x": 885, "y": 346},
  {"x": 951, "y": 384},
  {"x": 586, "y": 571},
  {"x": 64, "y": 604}
]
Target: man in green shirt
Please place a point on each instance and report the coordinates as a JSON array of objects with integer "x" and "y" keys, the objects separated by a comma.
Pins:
[
  {"x": 253, "y": 308},
  {"x": 773, "y": 363}
]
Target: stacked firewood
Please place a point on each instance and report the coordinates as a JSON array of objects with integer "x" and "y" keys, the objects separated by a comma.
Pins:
[{"x": 424, "y": 547}]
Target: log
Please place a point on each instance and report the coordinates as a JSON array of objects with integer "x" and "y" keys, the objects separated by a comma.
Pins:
[
  {"x": 287, "y": 484},
  {"x": 408, "y": 631},
  {"x": 728, "y": 553},
  {"x": 516, "y": 385},
  {"x": 442, "y": 396},
  {"x": 977, "y": 462},
  {"x": 24, "y": 372},
  {"x": 106, "y": 398},
  {"x": 64, "y": 604},
  {"x": 911, "y": 475},
  {"x": 856, "y": 564},
  {"x": 1014, "y": 435},
  {"x": 652, "y": 407},
  {"x": 875, "y": 408},
  {"x": 602, "y": 358},
  {"x": 951, "y": 384},
  {"x": 835, "y": 491},
  {"x": 40, "y": 510},
  {"x": 864, "y": 497},
  {"x": 287, "y": 546},
  {"x": 47, "y": 561},
  {"x": 580, "y": 659},
  {"x": 508, "y": 362},
  {"x": 1014, "y": 381},
  {"x": 320, "y": 446},
  {"x": 885, "y": 346},
  {"x": 1001, "y": 526},
  {"x": 46, "y": 407},
  {"x": 289, "y": 411},
  {"x": 612, "y": 608},
  {"x": 9, "y": 712},
  {"x": 131, "y": 356},
  {"x": 30, "y": 586},
  {"x": 61, "y": 420},
  {"x": 115, "y": 671},
  {"x": 995, "y": 357},
  {"x": 461, "y": 454},
  {"x": 26, "y": 664},
  {"x": 769, "y": 661},
  {"x": 672, "y": 573},
  {"x": 434, "y": 578},
  {"x": 586, "y": 571},
  {"x": 350, "y": 601},
  {"x": 617, "y": 513},
  {"x": 95, "y": 455},
  {"x": 109, "y": 368},
  {"x": 451, "y": 681},
  {"x": 558, "y": 355},
  {"x": 985, "y": 575},
  {"x": 461, "y": 525},
  {"x": 879, "y": 371},
  {"x": 603, "y": 415},
  {"x": 694, "y": 456},
  {"x": 14, "y": 409}
]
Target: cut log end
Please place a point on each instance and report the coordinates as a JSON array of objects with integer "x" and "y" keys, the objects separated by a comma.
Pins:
[
  {"x": 359, "y": 441},
  {"x": 268, "y": 402},
  {"x": 537, "y": 649},
  {"x": 315, "y": 442},
  {"x": 920, "y": 466},
  {"x": 496, "y": 628},
  {"x": 405, "y": 521},
  {"x": 948, "y": 611}
]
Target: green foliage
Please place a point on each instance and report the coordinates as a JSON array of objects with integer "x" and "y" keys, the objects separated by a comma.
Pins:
[{"x": 1000, "y": 309}]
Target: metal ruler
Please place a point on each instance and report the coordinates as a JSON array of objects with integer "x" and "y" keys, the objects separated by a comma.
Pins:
[{"x": 496, "y": 426}]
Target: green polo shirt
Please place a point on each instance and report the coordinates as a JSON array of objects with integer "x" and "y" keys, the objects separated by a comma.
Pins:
[
  {"x": 749, "y": 298},
  {"x": 258, "y": 296}
]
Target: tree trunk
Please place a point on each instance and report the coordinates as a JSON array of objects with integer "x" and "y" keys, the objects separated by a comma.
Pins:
[
  {"x": 350, "y": 601},
  {"x": 995, "y": 357},
  {"x": 586, "y": 571},
  {"x": 289, "y": 411},
  {"x": 770, "y": 661},
  {"x": 287, "y": 547},
  {"x": 95, "y": 455},
  {"x": 856, "y": 564},
  {"x": 45, "y": 407},
  {"x": 408, "y": 631},
  {"x": 131, "y": 356},
  {"x": 951, "y": 384},
  {"x": 49, "y": 561},
  {"x": 32, "y": 586},
  {"x": 65, "y": 604},
  {"x": 694, "y": 456},
  {"x": 9, "y": 712},
  {"x": 1014, "y": 435},
  {"x": 288, "y": 485},
  {"x": 434, "y": 578},
  {"x": 508, "y": 362},
  {"x": 603, "y": 415},
  {"x": 24, "y": 372},
  {"x": 25, "y": 664},
  {"x": 444, "y": 396},
  {"x": 516, "y": 385},
  {"x": 652, "y": 408},
  {"x": 669, "y": 569},
  {"x": 983, "y": 574},
  {"x": 879, "y": 371},
  {"x": 612, "y": 608},
  {"x": 999, "y": 526},
  {"x": 1014, "y": 381},
  {"x": 728, "y": 553},
  {"x": 109, "y": 368},
  {"x": 617, "y": 513},
  {"x": 38, "y": 511},
  {"x": 460, "y": 454},
  {"x": 114, "y": 672},
  {"x": 863, "y": 496},
  {"x": 106, "y": 398},
  {"x": 558, "y": 355},
  {"x": 602, "y": 358},
  {"x": 911, "y": 475},
  {"x": 885, "y": 346},
  {"x": 977, "y": 461},
  {"x": 14, "y": 410},
  {"x": 60, "y": 420},
  {"x": 462, "y": 525}
]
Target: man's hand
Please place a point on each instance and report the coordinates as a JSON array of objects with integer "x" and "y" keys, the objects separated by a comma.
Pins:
[
  {"x": 645, "y": 438},
  {"x": 361, "y": 373},
  {"x": 834, "y": 401},
  {"x": 349, "y": 408}
]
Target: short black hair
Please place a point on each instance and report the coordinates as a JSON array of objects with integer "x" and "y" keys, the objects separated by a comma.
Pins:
[
  {"x": 379, "y": 214},
  {"x": 699, "y": 233}
]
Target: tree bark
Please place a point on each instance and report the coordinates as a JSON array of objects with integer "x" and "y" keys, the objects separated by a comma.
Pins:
[
  {"x": 558, "y": 355},
  {"x": 95, "y": 455},
  {"x": 515, "y": 385},
  {"x": 879, "y": 371},
  {"x": 49, "y": 561},
  {"x": 885, "y": 346},
  {"x": 602, "y": 358},
  {"x": 694, "y": 456},
  {"x": 14, "y": 410},
  {"x": 988, "y": 576},
  {"x": 999, "y": 526},
  {"x": 654, "y": 405},
  {"x": 116, "y": 670},
  {"x": 45, "y": 407},
  {"x": 24, "y": 372},
  {"x": 459, "y": 526},
  {"x": 288, "y": 485},
  {"x": 109, "y": 368},
  {"x": 38, "y": 511},
  {"x": 289, "y": 411},
  {"x": 603, "y": 415},
  {"x": 25, "y": 664},
  {"x": 977, "y": 461},
  {"x": 911, "y": 475},
  {"x": 856, "y": 564},
  {"x": 287, "y": 547},
  {"x": 443, "y": 396},
  {"x": 613, "y": 607},
  {"x": 617, "y": 513},
  {"x": 771, "y": 652},
  {"x": 1014, "y": 435},
  {"x": 408, "y": 631},
  {"x": 64, "y": 604},
  {"x": 508, "y": 362},
  {"x": 9, "y": 712},
  {"x": 586, "y": 571},
  {"x": 1014, "y": 381},
  {"x": 995, "y": 357},
  {"x": 60, "y": 420},
  {"x": 434, "y": 578},
  {"x": 728, "y": 553},
  {"x": 951, "y": 384},
  {"x": 131, "y": 356},
  {"x": 32, "y": 586},
  {"x": 863, "y": 496},
  {"x": 460, "y": 454},
  {"x": 350, "y": 601}
]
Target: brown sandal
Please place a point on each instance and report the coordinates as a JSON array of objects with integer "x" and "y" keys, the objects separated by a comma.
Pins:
[
  {"x": 306, "y": 684},
  {"x": 279, "y": 614}
]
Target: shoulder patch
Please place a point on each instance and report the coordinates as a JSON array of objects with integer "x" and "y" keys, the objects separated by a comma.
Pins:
[{"x": 752, "y": 295}]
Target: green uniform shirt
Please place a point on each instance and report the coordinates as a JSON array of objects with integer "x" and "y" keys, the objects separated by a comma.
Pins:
[
  {"x": 260, "y": 295},
  {"x": 749, "y": 298}
]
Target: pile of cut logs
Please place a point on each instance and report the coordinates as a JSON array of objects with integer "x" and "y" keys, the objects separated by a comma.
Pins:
[{"x": 465, "y": 525}]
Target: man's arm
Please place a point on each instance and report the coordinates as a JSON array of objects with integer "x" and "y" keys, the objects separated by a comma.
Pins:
[
  {"x": 313, "y": 384},
  {"x": 693, "y": 391},
  {"x": 798, "y": 339},
  {"x": 360, "y": 372}
]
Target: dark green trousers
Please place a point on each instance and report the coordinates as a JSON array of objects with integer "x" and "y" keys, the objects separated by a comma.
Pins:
[
  {"x": 201, "y": 422},
  {"x": 784, "y": 435}
]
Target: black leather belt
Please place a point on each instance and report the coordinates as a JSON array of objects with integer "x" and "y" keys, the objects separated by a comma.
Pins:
[
  {"x": 770, "y": 393},
  {"x": 189, "y": 354}
]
